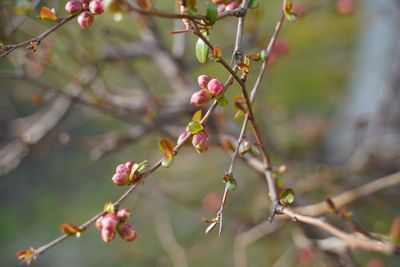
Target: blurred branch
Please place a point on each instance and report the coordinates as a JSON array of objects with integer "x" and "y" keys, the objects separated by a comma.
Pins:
[
  {"x": 243, "y": 240},
  {"x": 168, "y": 241},
  {"x": 352, "y": 195},
  {"x": 40, "y": 124}
]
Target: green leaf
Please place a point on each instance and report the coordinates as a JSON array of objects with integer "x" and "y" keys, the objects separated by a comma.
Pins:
[
  {"x": 197, "y": 116},
  {"x": 142, "y": 165},
  {"x": 167, "y": 162},
  {"x": 212, "y": 12},
  {"x": 195, "y": 127},
  {"x": 202, "y": 49},
  {"x": 286, "y": 197},
  {"x": 231, "y": 184},
  {"x": 222, "y": 101}
]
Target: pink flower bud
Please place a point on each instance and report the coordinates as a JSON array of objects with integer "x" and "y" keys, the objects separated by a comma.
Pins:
[
  {"x": 183, "y": 136},
  {"x": 96, "y": 7},
  {"x": 129, "y": 165},
  {"x": 215, "y": 87},
  {"x": 127, "y": 232},
  {"x": 123, "y": 214},
  {"x": 203, "y": 80},
  {"x": 121, "y": 169},
  {"x": 221, "y": 8},
  {"x": 99, "y": 224},
  {"x": 200, "y": 98},
  {"x": 110, "y": 221},
  {"x": 120, "y": 179},
  {"x": 73, "y": 7},
  {"x": 200, "y": 141},
  {"x": 107, "y": 234},
  {"x": 85, "y": 19},
  {"x": 232, "y": 5}
]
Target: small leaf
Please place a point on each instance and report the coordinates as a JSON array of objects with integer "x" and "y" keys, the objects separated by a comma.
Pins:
[
  {"x": 71, "y": 229},
  {"x": 167, "y": 162},
  {"x": 167, "y": 147},
  {"x": 142, "y": 165},
  {"x": 222, "y": 101},
  {"x": 231, "y": 184},
  {"x": 287, "y": 6},
  {"x": 263, "y": 55},
  {"x": 195, "y": 127},
  {"x": 286, "y": 197},
  {"x": 202, "y": 49},
  {"x": 217, "y": 53},
  {"x": 47, "y": 14},
  {"x": 109, "y": 207},
  {"x": 26, "y": 256},
  {"x": 210, "y": 227},
  {"x": 197, "y": 116},
  {"x": 212, "y": 12}
]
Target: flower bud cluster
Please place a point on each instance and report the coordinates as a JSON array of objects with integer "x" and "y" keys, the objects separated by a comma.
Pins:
[
  {"x": 226, "y": 5},
  {"x": 110, "y": 223},
  {"x": 198, "y": 140},
  {"x": 210, "y": 88},
  {"x": 86, "y": 10},
  {"x": 125, "y": 174}
]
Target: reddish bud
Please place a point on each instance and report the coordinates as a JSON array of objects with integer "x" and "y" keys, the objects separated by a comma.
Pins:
[
  {"x": 232, "y": 5},
  {"x": 120, "y": 179},
  {"x": 123, "y": 214},
  {"x": 110, "y": 221},
  {"x": 200, "y": 98},
  {"x": 200, "y": 141},
  {"x": 74, "y": 7},
  {"x": 96, "y": 7},
  {"x": 107, "y": 234},
  {"x": 85, "y": 19},
  {"x": 183, "y": 136},
  {"x": 215, "y": 87},
  {"x": 127, "y": 232},
  {"x": 99, "y": 224},
  {"x": 221, "y": 8},
  {"x": 129, "y": 165},
  {"x": 203, "y": 81},
  {"x": 121, "y": 169}
]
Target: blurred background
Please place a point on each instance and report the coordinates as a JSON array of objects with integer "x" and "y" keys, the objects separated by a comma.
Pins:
[{"x": 88, "y": 100}]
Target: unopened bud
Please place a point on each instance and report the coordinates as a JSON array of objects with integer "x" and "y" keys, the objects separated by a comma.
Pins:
[
  {"x": 221, "y": 8},
  {"x": 215, "y": 87},
  {"x": 200, "y": 98},
  {"x": 85, "y": 19},
  {"x": 121, "y": 169},
  {"x": 99, "y": 224},
  {"x": 110, "y": 221},
  {"x": 183, "y": 136},
  {"x": 232, "y": 5},
  {"x": 120, "y": 179},
  {"x": 200, "y": 141},
  {"x": 123, "y": 214},
  {"x": 74, "y": 7},
  {"x": 127, "y": 232},
  {"x": 203, "y": 81},
  {"x": 129, "y": 165},
  {"x": 96, "y": 7},
  {"x": 107, "y": 234}
]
